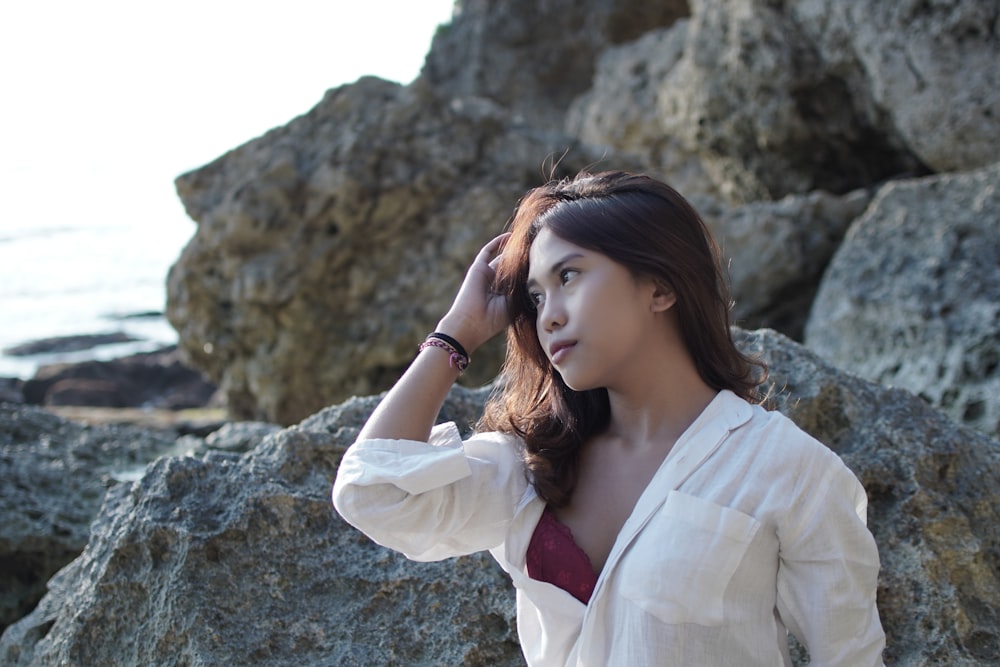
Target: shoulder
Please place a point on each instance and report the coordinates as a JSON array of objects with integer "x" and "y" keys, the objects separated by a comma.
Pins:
[
  {"x": 773, "y": 445},
  {"x": 776, "y": 432}
]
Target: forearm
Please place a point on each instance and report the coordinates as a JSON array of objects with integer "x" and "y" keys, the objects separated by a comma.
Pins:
[{"x": 410, "y": 408}]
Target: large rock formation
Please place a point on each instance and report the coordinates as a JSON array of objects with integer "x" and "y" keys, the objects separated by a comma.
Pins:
[
  {"x": 776, "y": 252},
  {"x": 775, "y": 98},
  {"x": 912, "y": 297},
  {"x": 925, "y": 74},
  {"x": 534, "y": 57},
  {"x": 227, "y": 559},
  {"x": 329, "y": 248}
]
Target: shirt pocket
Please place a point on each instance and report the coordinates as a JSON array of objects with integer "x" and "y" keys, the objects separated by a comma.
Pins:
[{"x": 681, "y": 563}]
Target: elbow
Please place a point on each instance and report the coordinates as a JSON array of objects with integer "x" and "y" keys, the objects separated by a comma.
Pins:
[{"x": 343, "y": 501}]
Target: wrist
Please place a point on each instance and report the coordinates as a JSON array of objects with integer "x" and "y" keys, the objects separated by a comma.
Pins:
[
  {"x": 458, "y": 358},
  {"x": 460, "y": 331}
]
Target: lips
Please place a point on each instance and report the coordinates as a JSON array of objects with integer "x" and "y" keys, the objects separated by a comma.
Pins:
[{"x": 557, "y": 351}]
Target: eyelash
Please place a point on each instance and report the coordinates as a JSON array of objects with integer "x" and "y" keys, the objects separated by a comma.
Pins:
[{"x": 533, "y": 297}]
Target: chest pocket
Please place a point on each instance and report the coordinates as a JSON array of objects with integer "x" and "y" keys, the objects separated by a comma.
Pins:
[{"x": 680, "y": 565}]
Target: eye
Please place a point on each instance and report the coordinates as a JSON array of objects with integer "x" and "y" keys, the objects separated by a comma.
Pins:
[
  {"x": 566, "y": 275},
  {"x": 535, "y": 299}
]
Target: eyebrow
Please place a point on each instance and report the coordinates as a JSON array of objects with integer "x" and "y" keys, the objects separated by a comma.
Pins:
[{"x": 555, "y": 267}]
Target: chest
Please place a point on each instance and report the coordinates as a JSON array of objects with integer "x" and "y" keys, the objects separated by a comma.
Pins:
[{"x": 610, "y": 483}]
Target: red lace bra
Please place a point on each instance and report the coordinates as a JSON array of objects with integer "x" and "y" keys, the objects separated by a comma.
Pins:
[{"x": 555, "y": 558}]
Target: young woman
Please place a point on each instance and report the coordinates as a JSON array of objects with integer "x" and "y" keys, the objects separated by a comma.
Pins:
[{"x": 647, "y": 512}]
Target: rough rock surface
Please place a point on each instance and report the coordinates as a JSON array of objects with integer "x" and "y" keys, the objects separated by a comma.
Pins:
[
  {"x": 11, "y": 390},
  {"x": 371, "y": 204},
  {"x": 534, "y": 57},
  {"x": 912, "y": 297},
  {"x": 618, "y": 112},
  {"x": 55, "y": 474},
  {"x": 934, "y": 502},
  {"x": 776, "y": 253},
  {"x": 157, "y": 379},
  {"x": 752, "y": 93},
  {"x": 327, "y": 248},
  {"x": 923, "y": 71},
  {"x": 770, "y": 98},
  {"x": 229, "y": 559}
]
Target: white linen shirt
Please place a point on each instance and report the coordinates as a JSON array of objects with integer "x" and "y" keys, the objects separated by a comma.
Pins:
[{"x": 749, "y": 529}]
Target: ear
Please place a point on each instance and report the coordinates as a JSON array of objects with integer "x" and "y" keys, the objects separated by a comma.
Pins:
[{"x": 664, "y": 298}]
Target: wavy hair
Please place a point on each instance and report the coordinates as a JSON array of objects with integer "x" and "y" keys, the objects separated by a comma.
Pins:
[{"x": 647, "y": 227}]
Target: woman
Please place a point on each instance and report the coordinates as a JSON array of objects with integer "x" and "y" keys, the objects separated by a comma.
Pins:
[{"x": 646, "y": 511}]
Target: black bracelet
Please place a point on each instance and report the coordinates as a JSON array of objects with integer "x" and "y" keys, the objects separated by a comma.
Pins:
[{"x": 451, "y": 341}]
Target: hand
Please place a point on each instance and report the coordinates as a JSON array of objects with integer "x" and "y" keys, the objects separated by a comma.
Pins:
[{"x": 478, "y": 314}]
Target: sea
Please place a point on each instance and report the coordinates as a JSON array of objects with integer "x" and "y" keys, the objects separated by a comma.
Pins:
[{"x": 77, "y": 259}]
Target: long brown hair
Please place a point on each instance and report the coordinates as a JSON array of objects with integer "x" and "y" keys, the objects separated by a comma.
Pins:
[{"x": 647, "y": 227}]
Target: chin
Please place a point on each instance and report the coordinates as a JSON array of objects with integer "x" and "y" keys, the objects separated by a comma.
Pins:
[{"x": 578, "y": 383}]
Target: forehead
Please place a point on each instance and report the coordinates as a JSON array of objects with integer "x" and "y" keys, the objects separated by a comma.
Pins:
[{"x": 546, "y": 251}]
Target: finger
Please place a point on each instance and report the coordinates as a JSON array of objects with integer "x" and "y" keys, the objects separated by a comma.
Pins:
[{"x": 493, "y": 247}]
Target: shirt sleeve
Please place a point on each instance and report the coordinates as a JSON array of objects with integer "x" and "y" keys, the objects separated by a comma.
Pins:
[
  {"x": 432, "y": 500},
  {"x": 828, "y": 568}
]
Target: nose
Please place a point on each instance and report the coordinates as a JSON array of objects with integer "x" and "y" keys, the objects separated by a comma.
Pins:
[{"x": 552, "y": 315}]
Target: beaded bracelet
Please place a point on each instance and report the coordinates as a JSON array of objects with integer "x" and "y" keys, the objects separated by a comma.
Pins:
[{"x": 458, "y": 357}]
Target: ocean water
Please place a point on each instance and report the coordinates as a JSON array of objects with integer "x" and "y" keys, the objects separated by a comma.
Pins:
[
  {"x": 78, "y": 260},
  {"x": 90, "y": 222}
]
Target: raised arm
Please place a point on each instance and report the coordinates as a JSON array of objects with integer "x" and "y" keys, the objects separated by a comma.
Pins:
[{"x": 409, "y": 409}]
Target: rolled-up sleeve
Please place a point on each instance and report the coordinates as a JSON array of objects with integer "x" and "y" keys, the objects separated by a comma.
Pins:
[
  {"x": 828, "y": 571},
  {"x": 432, "y": 500}
]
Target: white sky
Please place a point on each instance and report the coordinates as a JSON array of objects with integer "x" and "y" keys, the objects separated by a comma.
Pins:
[{"x": 103, "y": 93}]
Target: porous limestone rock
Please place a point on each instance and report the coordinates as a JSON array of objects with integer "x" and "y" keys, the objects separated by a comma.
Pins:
[
  {"x": 912, "y": 297},
  {"x": 934, "y": 502},
  {"x": 328, "y": 249},
  {"x": 54, "y": 476},
  {"x": 617, "y": 114},
  {"x": 228, "y": 559},
  {"x": 768, "y": 99},
  {"x": 534, "y": 57},
  {"x": 754, "y": 96},
  {"x": 775, "y": 253},
  {"x": 924, "y": 71}
]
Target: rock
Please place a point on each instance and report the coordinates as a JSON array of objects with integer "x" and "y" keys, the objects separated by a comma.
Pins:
[
  {"x": 912, "y": 297},
  {"x": 534, "y": 58},
  {"x": 152, "y": 379},
  {"x": 328, "y": 249},
  {"x": 752, "y": 95},
  {"x": 11, "y": 390},
  {"x": 55, "y": 474},
  {"x": 67, "y": 343},
  {"x": 769, "y": 100},
  {"x": 84, "y": 391},
  {"x": 240, "y": 436},
  {"x": 776, "y": 253},
  {"x": 924, "y": 72},
  {"x": 234, "y": 560},
  {"x": 244, "y": 558},
  {"x": 932, "y": 487},
  {"x": 618, "y": 112}
]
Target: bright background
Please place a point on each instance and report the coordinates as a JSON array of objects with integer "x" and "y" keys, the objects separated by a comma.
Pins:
[{"x": 106, "y": 102}]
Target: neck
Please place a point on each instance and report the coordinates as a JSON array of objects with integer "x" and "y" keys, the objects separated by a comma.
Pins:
[{"x": 660, "y": 402}]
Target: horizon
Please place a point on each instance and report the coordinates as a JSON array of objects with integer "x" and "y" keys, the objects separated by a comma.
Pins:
[{"x": 113, "y": 100}]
